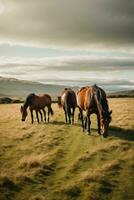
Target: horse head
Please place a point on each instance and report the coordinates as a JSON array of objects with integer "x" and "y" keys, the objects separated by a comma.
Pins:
[
  {"x": 23, "y": 113},
  {"x": 105, "y": 121}
]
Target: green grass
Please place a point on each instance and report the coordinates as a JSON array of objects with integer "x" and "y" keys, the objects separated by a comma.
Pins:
[{"x": 57, "y": 161}]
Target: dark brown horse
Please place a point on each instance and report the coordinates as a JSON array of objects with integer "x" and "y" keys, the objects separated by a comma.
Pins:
[
  {"x": 68, "y": 101},
  {"x": 93, "y": 100},
  {"x": 37, "y": 103}
]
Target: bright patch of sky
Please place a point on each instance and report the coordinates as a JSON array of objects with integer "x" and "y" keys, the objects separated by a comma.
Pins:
[
  {"x": 71, "y": 67},
  {"x": 68, "y": 42},
  {"x": 39, "y": 52}
]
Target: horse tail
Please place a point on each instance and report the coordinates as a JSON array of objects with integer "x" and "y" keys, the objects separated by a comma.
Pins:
[
  {"x": 59, "y": 102},
  {"x": 67, "y": 104},
  {"x": 51, "y": 110}
]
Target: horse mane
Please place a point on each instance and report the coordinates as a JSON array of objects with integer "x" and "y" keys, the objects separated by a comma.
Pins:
[
  {"x": 101, "y": 100},
  {"x": 67, "y": 102},
  {"x": 28, "y": 100}
]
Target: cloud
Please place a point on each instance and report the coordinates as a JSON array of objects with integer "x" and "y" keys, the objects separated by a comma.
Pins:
[
  {"x": 72, "y": 23},
  {"x": 108, "y": 71},
  {"x": 67, "y": 63}
]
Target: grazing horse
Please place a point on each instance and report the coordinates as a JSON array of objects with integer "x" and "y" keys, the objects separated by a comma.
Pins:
[
  {"x": 93, "y": 100},
  {"x": 68, "y": 101},
  {"x": 37, "y": 103}
]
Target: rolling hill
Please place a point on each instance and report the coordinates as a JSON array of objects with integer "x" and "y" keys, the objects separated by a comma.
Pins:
[{"x": 12, "y": 87}]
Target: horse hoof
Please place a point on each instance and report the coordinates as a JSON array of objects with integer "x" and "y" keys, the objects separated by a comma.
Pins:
[{"x": 105, "y": 136}]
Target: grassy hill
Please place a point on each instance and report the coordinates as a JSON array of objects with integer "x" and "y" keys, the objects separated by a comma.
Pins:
[
  {"x": 121, "y": 94},
  {"x": 57, "y": 161},
  {"x": 12, "y": 87}
]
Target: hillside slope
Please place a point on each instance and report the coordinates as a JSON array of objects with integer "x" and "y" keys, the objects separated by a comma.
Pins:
[
  {"x": 57, "y": 161},
  {"x": 120, "y": 94},
  {"x": 12, "y": 87}
]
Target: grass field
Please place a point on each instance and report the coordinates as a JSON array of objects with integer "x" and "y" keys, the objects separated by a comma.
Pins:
[{"x": 56, "y": 161}]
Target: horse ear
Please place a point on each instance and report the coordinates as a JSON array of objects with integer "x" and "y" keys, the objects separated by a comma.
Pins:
[{"x": 110, "y": 112}]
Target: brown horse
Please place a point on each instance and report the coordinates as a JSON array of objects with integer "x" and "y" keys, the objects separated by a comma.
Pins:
[
  {"x": 93, "y": 100},
  {"x": 37, "y": 103},
  {"x": 68, "y": 101}
]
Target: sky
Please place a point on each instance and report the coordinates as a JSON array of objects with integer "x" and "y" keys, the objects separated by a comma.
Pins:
[{"x": 68, "y": 42}]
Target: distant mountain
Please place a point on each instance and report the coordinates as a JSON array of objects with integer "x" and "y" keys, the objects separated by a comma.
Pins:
[
  {"x": 12, "y": 87},
  {"x": 127, "y": 93}
]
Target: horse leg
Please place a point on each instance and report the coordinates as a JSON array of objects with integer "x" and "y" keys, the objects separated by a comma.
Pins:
[
  {"x": 98, "y": 121},
  {"x": 88, "y": 124},
  {"x": 41, "y": 115},
  {"x": 73, "y": 110},
  {"x": 37, "y": 116},
  {"x": 65, "y": 115},
  {"x": 82, "y": 120},
  {"x": 48, "y": 115},
  {"x": 69, "y": 116},
  {"x": 31, "y": 111},
  {"x": 44, "y": 114},
  {"x": 85, "y": 123}
]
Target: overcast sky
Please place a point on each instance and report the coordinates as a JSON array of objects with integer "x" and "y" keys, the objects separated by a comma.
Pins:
[{"x": 87, "y": 39}]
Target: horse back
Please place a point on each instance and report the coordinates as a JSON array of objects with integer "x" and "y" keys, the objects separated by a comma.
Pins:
[
  {"x": 40, "y": 101},
  {"x": 69, "y": 97},
  {"x": 82, "y": 88},
  {"x": 85, "y": 98},
  {"x": 81, "y": 97},
  {"x": 72, "y": 97}
]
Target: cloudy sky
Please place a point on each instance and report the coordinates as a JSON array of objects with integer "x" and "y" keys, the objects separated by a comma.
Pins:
[{"x": 70, "y": 42}]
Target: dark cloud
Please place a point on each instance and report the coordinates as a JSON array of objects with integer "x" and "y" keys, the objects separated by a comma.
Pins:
[{"x": 108, "y": 23}]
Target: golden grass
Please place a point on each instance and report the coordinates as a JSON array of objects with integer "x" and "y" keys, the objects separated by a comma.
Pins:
[
  {"x": 57, "y": 161},
  {"x": 31, "y": 161},
  {"x": 123, "y": 112}
]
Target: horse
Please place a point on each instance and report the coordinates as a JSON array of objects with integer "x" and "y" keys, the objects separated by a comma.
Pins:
[
  {"x": 68, "y": 101},
  {"x": 37, "y": 103},
  {"x": 92, "y": 99}
]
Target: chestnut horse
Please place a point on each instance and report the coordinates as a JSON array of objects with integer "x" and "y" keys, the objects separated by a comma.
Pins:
[
  {"x": 93, "y": 100},
  {"x": 68, "y": 101},
  {"x": 37, "y": 103}
]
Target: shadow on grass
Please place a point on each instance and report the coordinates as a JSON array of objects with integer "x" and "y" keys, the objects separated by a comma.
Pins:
[
  {"x": 57, "y": 123},
  {"x": 64, "y": 123},
  {"x": 9, "y": 184},
  {"x": 126, "y": 134}
]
